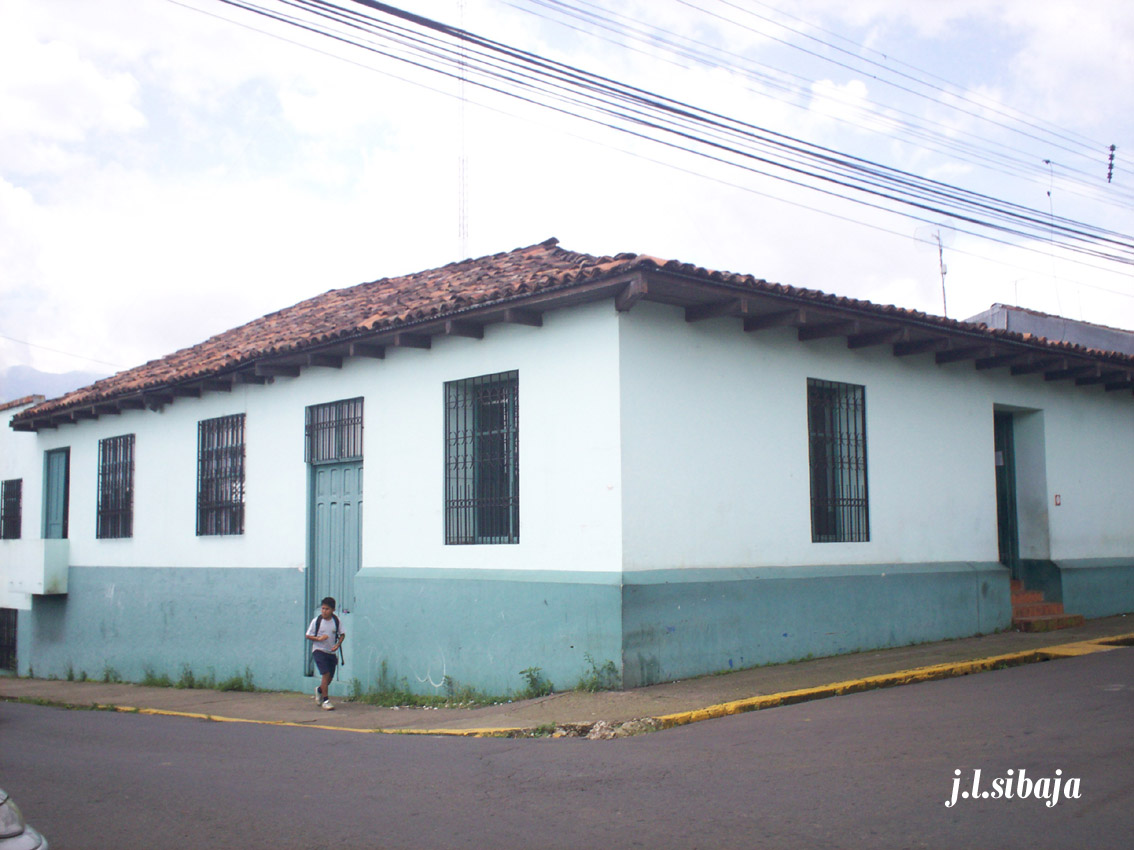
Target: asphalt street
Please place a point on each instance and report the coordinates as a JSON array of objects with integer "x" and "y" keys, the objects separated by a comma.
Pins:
[{"x": 865, "y": 770}]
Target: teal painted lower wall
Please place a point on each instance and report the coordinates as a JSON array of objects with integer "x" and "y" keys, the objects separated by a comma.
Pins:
[
  {"x": 1100, "y": 587},
  {"x": 132, "y": 620},
  {"x": 482, "y": 628},
  {"x": 681, "y": 623},
  {"x": 433, "y": 630}
]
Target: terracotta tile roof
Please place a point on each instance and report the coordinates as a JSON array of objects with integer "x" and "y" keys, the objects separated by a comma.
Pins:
[
  {"x": 457, "y": 289},
  {"x": 21, "y": 402}
]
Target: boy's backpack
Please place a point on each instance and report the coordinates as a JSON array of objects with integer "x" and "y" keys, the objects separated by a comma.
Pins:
[{"x": 334, "y": 617}]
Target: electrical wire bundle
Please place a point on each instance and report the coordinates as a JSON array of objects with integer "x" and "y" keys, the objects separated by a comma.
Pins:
[{"x": 537, "y": 80}]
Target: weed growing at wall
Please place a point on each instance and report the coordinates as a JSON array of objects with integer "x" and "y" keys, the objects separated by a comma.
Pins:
[
  {"x": 537, "y": 686},
  {"x": 110, "y": 676},
  {"x": 389, "y": 692},
  {"x": 602, "y": 677},
  {"x": 152, "y": 680},
  {"x": 238, "y": 683}
]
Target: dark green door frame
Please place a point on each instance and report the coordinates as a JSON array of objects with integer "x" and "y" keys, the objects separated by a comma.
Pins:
[{"x": 1007, "y": 523}]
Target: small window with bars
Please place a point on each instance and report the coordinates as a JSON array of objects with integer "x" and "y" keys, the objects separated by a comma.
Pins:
[
  {"x": 334, "y": 431},
  {"x": 482, "y": 478},
  {"x": 116, "y": 487},
  {"x": 836, "y": 423},
  {"x": 11, "y": 508},
  {"x": 220, "y": 475}
]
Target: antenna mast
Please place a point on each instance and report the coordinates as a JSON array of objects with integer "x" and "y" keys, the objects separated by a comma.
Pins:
[{"x": 944, "y": 271}]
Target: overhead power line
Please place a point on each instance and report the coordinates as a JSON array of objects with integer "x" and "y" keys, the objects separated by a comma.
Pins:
[
  {"x": 493, "y": 66},
  {"x": 798, "y": 91}
]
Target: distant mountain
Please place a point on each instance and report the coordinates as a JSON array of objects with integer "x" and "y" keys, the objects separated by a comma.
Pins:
[{"x": 19, "y": 381}]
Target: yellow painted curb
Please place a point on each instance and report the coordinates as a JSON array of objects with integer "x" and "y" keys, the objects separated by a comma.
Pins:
[{"x": 902, "y": 677}]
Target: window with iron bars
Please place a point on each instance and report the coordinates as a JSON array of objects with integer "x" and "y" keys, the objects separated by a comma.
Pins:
[
  {"x": 220, "y": 475},
  {"x": 116, "y": 487},
  {"x": 836, "y": 423},
  {"x": 334, "y": 431},
  {"x": 11, "y": 505},
  {"x": 482, "y": 477}
]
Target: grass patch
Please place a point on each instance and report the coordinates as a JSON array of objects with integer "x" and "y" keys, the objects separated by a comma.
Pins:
[
  {"x": 391, "y": 693},
  {"x": 538, "y": 685},
  {"x": 238, "y": 683},
  {"x": 602, "y": 677},
  {"x": 152, "y": 680}
]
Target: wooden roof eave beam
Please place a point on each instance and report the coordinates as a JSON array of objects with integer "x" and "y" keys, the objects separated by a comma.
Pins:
[
  {"x": 884, "y": 336},
  {"x": 157, "y": 400},
  {"x": 522, "y": 316},
  {"x": 727, "y": 308},
  {"x": 464, "y": 328},
  {"x": 1104, "y": 376},
  {"x": 276, "y": 370},
  {"x": 920, "y": 346},
  {"x": 405, "y": 339},
  {"x": 366, "y": 349},
  {"x": 996, "y": 361},
  {"x": 327, "y": 361},
  {"x": 823, "y": 330},
  {"x": 780, "y": 319},
  {"x": 1125, "y": 383},
  {"x": 1036, "y": 363},
  {"x": 1073, "y": 370},
  {"x": 631, "y": 294},
  {"x": 963, "y": 352}
]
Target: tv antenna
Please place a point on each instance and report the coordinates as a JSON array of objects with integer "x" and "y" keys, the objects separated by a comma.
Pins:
[{"x": 938, "y": 236}]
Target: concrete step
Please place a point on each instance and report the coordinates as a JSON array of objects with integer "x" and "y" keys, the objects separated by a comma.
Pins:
[
  {"x": 1036, "y": 609},
  {"x": 1023, "y": 597},
  {"x": 1047, "y": 622}
]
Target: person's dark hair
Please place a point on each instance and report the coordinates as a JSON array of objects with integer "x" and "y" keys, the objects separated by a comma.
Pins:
[{"x": 328, "y": 600}]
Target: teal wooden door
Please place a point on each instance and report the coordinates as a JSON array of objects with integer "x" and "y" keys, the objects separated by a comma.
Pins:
[
  {"x": 336, "y": 525},
  {"x": 56, "y": 483},
  {"x": 1007, "y": 524}
]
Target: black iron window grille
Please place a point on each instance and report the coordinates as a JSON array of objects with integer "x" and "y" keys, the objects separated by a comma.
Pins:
[
  {"x": 482, "y": 477},
  {"x": 116, "y": 487},
  {"x": 11, "y": 504},
  {"x": 8, "y": 622},
  {"x": 220, "y": 475},
  {"x": 334, "y": 431},
  {"x": 836, "y": 423}
]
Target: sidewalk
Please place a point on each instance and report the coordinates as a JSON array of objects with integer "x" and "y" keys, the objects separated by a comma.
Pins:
[{"x": 610, "y": 713}]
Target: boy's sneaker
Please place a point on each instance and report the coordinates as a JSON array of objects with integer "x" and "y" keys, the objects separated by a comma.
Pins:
[{"x": 327, "y": 705}]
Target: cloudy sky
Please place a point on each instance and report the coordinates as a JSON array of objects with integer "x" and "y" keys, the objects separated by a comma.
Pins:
[{"x": 169, "y": 170}]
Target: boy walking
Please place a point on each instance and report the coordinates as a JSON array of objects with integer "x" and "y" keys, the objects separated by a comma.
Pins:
[{"x": 325, "y": 633}]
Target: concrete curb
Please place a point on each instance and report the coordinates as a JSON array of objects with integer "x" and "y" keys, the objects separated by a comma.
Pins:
[
  {"x": 668, "y": 721},
  {"x": 902, "y": 677}
]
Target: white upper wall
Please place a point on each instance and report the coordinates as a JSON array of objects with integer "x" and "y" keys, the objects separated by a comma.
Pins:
[
  {"x": 646, "y": 442},
  {"x": 19, "y": 460},
  {"x": 716, "y": 468},
  {"x": 568, "y": 442}
]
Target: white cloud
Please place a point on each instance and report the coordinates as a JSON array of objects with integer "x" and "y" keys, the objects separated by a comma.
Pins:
[{"x": 167, "y": 175}]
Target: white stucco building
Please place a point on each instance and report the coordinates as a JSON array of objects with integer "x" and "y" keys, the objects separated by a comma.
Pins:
[{"x": 544, "y": 458}]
